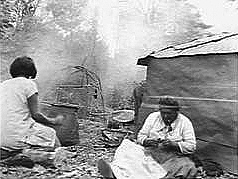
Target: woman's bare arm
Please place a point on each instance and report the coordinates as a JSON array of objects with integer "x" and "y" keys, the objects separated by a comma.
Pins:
[{"x": 33, "y": 105}]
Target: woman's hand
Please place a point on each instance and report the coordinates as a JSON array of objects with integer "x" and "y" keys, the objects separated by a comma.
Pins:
[{"x": 58, "y": 120}]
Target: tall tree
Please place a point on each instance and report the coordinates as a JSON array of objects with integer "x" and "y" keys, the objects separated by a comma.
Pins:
[
  {"x": 13, "y": 13},
  {"x": 17, "y": 24},
  {"x": 79, "y": 29},
  {"x": 59, "y": 34},
  {"x": 177, "y": 20}
]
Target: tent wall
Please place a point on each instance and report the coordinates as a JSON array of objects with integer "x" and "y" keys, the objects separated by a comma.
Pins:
[{"x": 211, "y": 83}]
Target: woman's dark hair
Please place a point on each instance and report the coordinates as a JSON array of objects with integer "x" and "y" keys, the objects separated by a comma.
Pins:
[
  {"x": 23, "y": 66},
  {"x": 169, "y": 102}
]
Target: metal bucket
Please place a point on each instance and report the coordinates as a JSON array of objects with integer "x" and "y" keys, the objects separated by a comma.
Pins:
[{"x": 68, "y": 131}]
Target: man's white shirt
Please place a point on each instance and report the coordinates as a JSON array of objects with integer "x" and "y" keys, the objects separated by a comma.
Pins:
[{"x": 182, "y": 131}]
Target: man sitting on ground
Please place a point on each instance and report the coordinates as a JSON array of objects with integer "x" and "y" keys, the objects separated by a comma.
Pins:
[{"x": 168, "y": 136}]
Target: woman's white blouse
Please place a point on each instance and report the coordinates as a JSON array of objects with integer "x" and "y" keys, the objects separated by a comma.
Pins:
[{"x": 15, "y": 118}]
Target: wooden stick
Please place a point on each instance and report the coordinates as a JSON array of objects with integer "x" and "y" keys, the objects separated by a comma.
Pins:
[
  {"x": 225, "y": 145},
  {"x": 198, "y": 99},
  {"x": 156, "y": 106}
]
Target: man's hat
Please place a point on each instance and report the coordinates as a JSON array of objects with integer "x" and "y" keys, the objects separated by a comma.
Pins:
[{"x": 168, "y": 102}]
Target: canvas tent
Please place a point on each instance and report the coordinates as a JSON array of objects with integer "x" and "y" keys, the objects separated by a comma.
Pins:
[{"x": 203, "y": 76}]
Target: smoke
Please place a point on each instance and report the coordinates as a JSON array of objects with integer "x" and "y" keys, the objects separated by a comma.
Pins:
[
  {"x": 134, "y": 28},
  {"x": 130, "y": 29},
  {"x": 123, "y": 32},
  {"x": 218, "y": 13}
]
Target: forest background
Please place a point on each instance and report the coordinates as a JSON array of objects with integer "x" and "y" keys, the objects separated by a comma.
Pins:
[{"x": 105, "y": 36}]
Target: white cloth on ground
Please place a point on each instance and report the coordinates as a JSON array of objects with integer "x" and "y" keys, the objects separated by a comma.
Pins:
[
  {"x": 182, "y": 131},
  {"x": 130, "y": 162}
]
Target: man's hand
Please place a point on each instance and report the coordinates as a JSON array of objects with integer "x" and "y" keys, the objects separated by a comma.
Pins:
[
  {"x": 150, "y": 142},
  {"x": 170, "y": 144}
]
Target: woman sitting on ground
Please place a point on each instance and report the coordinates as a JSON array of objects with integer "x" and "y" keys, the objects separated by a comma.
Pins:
[
  {"x": 22, "y": 125},
  {"x": 168, "y": 136}
]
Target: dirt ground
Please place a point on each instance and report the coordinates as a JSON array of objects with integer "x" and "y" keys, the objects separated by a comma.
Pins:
[{"x": 83, "y": 165}]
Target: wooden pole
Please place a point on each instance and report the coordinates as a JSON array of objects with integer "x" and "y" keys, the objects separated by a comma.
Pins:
[{"x": 197, "y": 99}]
